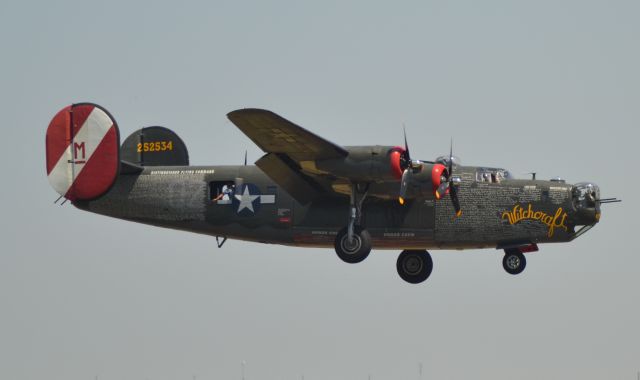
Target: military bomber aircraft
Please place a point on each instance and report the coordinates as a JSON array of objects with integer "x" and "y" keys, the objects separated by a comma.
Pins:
[{"x": 309, "y": 192}]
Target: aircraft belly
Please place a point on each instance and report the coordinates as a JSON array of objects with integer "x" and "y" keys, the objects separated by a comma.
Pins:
[{"x": 391, "y": 225}]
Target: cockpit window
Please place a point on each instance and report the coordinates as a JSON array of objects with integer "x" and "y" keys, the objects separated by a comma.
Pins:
[
  {"x": 444, "y": 160},
  {"x": 585, "y": 194},
  {"x": 492, "y": 175}
]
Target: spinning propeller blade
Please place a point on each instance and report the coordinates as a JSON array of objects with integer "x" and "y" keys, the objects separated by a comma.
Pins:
[
  {"x": 404, "y": 182},
  {"x": 453, "y": 192},
  {"x": 442, "y": 189},
  {"x": 406, "y": 158},
  {"x": 406, "y": 145}
]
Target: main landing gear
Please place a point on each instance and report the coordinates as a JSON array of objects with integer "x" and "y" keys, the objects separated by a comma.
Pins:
[
  {"x": 353, "y": 245},
  {"x": 357, "y": 248},
  {"x": 353, "y": 242},
  {"x": 514, "y": 261},
  {"x": 414, "y": 266}
]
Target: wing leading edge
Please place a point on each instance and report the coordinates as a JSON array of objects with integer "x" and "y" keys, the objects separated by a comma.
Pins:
[
  {"x": 275, "y": 134},
  {"x": 287, "y": 146},
  {"x": 307, "y": 166}
]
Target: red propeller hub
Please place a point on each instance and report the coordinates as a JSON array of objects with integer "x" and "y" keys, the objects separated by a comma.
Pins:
[
  {"x": 395, "y": 161},
  {"x": 437, "y": 173}
]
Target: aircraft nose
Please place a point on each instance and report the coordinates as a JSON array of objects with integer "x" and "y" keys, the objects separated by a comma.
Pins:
[{"x": 586, "y": 202}]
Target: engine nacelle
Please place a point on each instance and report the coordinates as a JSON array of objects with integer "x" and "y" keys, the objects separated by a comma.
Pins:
[
  {"x": 425, "y": 179},
  {"x": 363, "y": 164},
  {"x": 378, "y": 164}
]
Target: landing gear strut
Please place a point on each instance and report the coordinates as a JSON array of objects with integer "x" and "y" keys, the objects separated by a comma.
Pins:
[
  {"x": 414, "y": 266},
  {"x": 353, "y": 242},
  {"x": 513, "y": 261},
  {"x": 353, "y": 250}
]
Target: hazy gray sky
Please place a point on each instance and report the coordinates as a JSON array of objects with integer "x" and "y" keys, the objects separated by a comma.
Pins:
[{"x": 546, "y": 86}]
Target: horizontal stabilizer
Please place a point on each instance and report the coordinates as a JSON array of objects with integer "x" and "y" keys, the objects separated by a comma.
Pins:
[{"x": 127, "y": 167}]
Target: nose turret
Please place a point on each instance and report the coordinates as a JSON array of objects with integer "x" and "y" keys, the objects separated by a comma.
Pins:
[{"x": 586, "y": 202}]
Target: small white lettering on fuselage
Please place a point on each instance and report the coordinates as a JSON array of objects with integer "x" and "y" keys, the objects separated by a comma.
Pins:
[
  {"x": 178, "y": 172},
  {"x": 399, "y": 234}
]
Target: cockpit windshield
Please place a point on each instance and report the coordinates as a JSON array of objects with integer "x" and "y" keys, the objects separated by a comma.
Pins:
[
  {"x": 444, "y": 160},
  {"x": 492, "y": 175}
]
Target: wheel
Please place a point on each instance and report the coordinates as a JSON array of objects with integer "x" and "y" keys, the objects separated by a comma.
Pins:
[
  {"x": 414, "y": 266},
  {"x": 513, "y": 261},
  {"x": 356, "y": 250}
]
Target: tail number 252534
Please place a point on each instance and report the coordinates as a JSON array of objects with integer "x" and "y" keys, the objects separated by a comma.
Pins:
[{"x": 155, "y": 146}]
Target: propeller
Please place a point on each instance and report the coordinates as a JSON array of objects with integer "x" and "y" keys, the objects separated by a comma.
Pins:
[
  {"x": 408, "y": 166},
  {"x": 440, "y": 176},
  {"x": 406, "y": 157},
  {"x": 447, "y": 183},
  {"x": 404, "y": 182}
]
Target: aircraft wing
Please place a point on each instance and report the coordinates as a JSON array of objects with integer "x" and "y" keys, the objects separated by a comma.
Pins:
[
  {"x": 275, "y": 134},
  {"x": 287, "y": 145}
]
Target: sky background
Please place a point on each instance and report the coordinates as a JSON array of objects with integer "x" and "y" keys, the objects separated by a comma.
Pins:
[{"x": 545, "y": 86}]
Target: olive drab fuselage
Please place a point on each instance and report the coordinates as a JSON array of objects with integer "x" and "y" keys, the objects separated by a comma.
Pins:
[{"x": 496, "y": 214}]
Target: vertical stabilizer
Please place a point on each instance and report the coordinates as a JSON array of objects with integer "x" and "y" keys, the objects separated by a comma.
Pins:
[{"x": 82, "y": 147}]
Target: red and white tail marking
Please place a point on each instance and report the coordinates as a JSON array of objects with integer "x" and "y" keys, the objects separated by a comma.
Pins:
[{"x": 82, "y": 152}]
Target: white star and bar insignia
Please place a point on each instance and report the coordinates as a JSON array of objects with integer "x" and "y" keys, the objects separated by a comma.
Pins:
[{"x": 247, "y": 200}]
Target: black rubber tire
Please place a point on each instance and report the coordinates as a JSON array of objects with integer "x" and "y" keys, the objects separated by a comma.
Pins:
[
  {"x": 359, "y": 251},
  {"x": 414, "y": 266},
  {"x": 514, "y": 261}
]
